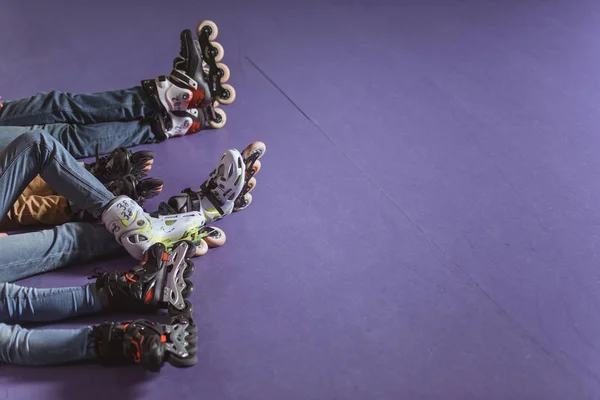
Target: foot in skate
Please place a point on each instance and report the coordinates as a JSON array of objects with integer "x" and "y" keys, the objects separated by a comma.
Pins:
[
  {"x": 147, "y": 343},
  {"x": 137, "y": 190},
  {"x": 121, "y": 162},
  {"x": 159, "y": 282},
  {"x": 215, "y": 198},
  {"x": 137, "y": 230},
  {"x": 197, "y": 81}
]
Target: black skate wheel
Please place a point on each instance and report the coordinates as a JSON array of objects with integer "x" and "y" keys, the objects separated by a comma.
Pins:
[
  {"x": 189, "y": 270},
  {"x": 186, "y": 312},
  {"x": 189, "y": 288},
  {"x": 179, "y": 362}
]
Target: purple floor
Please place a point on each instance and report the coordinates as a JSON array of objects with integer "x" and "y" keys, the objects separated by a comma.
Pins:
[{"x": 427, "y": 221}]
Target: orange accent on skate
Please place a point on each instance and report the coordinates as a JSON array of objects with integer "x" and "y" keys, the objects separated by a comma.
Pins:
[
  {"x": 196, "y": 127},
  {"x": 163, "y": 339},
  {"x": 165, "y": 256},
  {"x": 125, "y": 327},
  {"x": 129, "y": 278},
  {"x": 149, "y": 296},
  {"x": 137, "y": 356},
  {"x": 197, "y": 98}
]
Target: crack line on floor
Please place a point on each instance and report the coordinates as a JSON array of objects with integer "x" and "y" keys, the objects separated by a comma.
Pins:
[{"x": 427, "y": 235}]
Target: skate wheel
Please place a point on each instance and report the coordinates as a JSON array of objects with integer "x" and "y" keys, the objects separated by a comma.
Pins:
[
  {"x": 229, "y": 95},
  {"x": 189, "y": 288},
  {"x": 201, "y": 248},
  {"x": 217, "y": 49},
  {"x": 244, "y": 203},
  {"x": 221, "y": 119},
  {"x": 254, "y": 147},
  {"x": 189, "y": 271},
  {"x": 257, "y": 166},
  {"x": 226, "y": 73},
  {"x": 186, "y": 312},
  {"x": 210, "y": 28},
  {"x": 216, "y": 238},
  {"x": 251, "y": 184}
]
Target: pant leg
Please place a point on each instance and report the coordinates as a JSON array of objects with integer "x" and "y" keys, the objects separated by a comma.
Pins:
[
  {"x": 37, "y": 347},
  {"x": 33, "y": 253},
  {"x": 81, "y": 140},
  {"x": 80, "y": 109},
  {"x": 24, "y": 304},
  {"x": 36, "y": 152}
]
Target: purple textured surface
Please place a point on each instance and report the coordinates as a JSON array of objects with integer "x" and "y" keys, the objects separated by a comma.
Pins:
[{"x": 426, "y": 224}]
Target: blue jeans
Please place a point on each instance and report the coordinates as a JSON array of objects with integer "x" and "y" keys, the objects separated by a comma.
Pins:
[
  {"x": 32, "y": 153},
  {"x": 80, "y": 122}
]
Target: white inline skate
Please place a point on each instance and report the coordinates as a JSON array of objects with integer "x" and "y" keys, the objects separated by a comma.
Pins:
[
  {"x": 225, "y": 191},
  {"x": 137, "y": 231}
]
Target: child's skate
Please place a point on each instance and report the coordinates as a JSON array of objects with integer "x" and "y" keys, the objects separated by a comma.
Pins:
[
  {"x": 147, "y": 343},
  {"x": 228, "y": 188},
  {"x": 160, "y": 281},
  {"x": 137, "y": 231}
]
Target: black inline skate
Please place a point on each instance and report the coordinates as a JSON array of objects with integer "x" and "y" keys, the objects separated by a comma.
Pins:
[
  {"x": 147, "y": 343},
  {"x": 136, "y": 189},
  {"x": 160, "y": 281},
  {"x": 186, "y": 100},
  {"x": 121, "y": 162},
  {"x": 212, "y": 198}
]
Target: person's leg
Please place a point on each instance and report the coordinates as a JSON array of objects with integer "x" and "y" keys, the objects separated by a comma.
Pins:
[
  {"x": 33, "y": 253},
  {"x": 36, "y": 152},
  {"x": 24, "y": 304},
  {"x": 83, "y": 140},
  {"x": 158, "y": 282},
  {"x": 36, "y": 347},
  {"x": 80, "y": 109}
]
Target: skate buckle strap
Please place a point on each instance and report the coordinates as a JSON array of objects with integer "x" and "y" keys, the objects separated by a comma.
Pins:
[
  {"x": 193, "y": 200},
  {"x": 206, "y": 190},
  {"x": 184, "y": 79}
]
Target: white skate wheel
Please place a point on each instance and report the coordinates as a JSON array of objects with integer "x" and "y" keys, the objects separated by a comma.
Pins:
[
  {"x": 227, "y": 100},
  {"x": 208, "y": 24},
  {"x": 252, "y": 147},
  {"x": 251, "y": 184},
  {"x": 201, "y": 248},
  {"x": 226, "y": 72},
  {"x": 256, "y": 167},
  {"x": 220, "y": 51},
  {"x": 216, "y": 240},
  {"x": 219, "y": 124}
]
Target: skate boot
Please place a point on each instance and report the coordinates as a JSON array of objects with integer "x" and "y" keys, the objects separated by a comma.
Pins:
[
  {"x": 137, "y": 190},
  {"x": 159, "y": 282},
  {"x": 137, "y": 231},
  {"x": 228, "y": 188},
  {"x": 121, "y": 162},
  {"x": 197, "y": 82},
  {"x": 147, "y": 343}
]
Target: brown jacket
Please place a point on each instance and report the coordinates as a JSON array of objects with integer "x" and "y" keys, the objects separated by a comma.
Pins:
[{"x": 38, "y": 205}]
